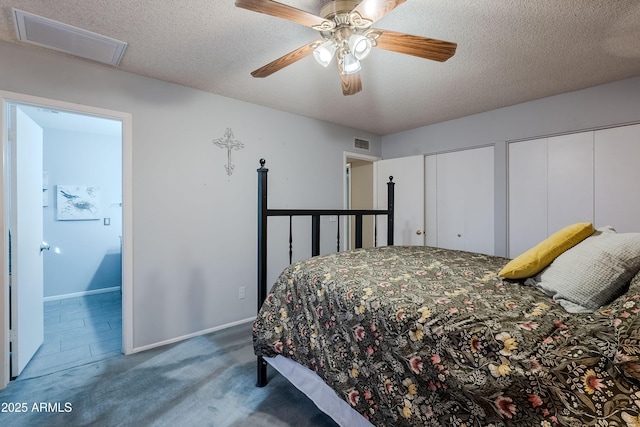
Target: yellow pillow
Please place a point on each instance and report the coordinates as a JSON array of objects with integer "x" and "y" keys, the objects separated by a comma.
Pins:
[{"x": 537, "y": 258}]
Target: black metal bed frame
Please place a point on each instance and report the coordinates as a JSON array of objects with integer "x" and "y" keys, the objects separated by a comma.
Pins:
[{"x": 264, "y": 212}]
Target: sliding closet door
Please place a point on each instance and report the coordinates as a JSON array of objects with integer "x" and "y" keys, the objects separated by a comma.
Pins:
[
  {"x": 569, "y": 180},
  {"x": 464, "y": 199},
  {"x": 527, "y": 194},
  {"x": 450, "y": 201},
  {"x": 584, "y": 177},
  {"x": 617, "y": 176},
  {"x": 479, "y": 200},
  {"x": 431, "y": 197},
  {"x": 550, "y": 187}
]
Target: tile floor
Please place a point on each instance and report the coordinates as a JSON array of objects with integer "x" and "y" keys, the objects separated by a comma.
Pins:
[{"x": 78, "y": 331}]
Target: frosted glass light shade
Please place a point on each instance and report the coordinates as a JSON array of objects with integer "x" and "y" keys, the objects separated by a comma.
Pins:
[
  {"x": 360, "y": 46},
  {"x": 350, "y": 64},
  {"x": 325, "y": 52}
]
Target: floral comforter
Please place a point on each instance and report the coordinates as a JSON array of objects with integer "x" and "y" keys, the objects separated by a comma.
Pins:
[{"x": 432, "y": 337}]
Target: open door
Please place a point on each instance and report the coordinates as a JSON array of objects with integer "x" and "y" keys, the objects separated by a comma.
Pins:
[
  {"x": 26, "y": 231},
  {"x": 409, "y": 220}
]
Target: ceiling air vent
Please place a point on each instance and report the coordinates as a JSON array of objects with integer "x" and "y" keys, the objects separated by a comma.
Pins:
[
  {"x": 55, "y": 35},
  {"x": 360, "y": 143}
]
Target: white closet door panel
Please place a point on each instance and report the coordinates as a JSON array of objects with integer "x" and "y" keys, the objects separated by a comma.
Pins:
[
  {"x": 478, "y": 170},
  {"x": 527, "y": 194},
  {"x": 617, "y": 176},
  {"x": 431, "y": 200},
  {"x": 450, "y": 200},
  {"x": 570, "y": 180},
  {"x": 465, "y": 202},
  {"x": 408, "y": 174}
]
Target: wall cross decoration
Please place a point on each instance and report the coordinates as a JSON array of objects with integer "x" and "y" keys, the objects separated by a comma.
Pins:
[{"x": 229, "y": 142}]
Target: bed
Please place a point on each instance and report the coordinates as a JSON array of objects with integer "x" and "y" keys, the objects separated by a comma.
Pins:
[{"x": 410, "y": 336}]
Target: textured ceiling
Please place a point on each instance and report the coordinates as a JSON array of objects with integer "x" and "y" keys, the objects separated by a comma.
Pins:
[{"x": 509, "y": 51}]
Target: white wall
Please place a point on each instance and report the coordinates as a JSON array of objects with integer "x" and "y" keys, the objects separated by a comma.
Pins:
[
  {"x": 84, "y": 255},
  {"x": 194, "y": 227},
  {"x": 599, "y": 106}
]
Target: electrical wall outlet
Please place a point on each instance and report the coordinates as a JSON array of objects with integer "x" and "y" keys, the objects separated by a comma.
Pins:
[{"x": 242, "y": 292}]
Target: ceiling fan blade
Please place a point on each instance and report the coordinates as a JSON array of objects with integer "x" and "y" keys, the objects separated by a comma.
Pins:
[
  {"x": 437, "y": 50},
  {"x": 286, "y": 60},
  {"x": 372, "y": 10},
  {"x": 284, "y": 11},
  {"x": 351, "y": 83}
]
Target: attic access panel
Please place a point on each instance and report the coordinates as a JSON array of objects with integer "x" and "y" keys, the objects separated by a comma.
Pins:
[{"x": 45, "y": 32}]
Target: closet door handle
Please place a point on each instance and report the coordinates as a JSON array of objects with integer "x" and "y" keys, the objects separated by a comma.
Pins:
[
  {"x": 419, "y": 232},
  {"x": 44, "y": 246}
]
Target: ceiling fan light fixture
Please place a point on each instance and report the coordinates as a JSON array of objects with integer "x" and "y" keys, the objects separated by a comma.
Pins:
[
  {"x": 347, "y": 33},
  {"x": 360, "y": 46},
  {"x": 324, "y": 53},
  {"x": 350, "y": 64}
]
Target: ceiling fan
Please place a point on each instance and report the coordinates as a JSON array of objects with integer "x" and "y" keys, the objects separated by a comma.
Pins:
[{"x": 347, "y": 35}]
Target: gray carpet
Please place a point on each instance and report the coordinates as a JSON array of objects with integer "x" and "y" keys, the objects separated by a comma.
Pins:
[{"x": 204, "y": 381}]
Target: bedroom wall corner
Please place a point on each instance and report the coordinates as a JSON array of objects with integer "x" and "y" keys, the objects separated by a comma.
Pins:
[{"x": 194, "y": 226}]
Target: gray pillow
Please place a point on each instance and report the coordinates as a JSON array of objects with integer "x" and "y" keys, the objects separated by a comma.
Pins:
[{"x": 593, "y": 273}]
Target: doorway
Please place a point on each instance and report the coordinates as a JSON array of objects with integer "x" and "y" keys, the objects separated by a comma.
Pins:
[
  {"x": 111, "y": 220},
  {"x": 359, "y": 190},
  {"x": 82, "y": 228}
]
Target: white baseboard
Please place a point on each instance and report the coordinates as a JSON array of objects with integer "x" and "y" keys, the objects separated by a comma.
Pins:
[
  {"x": 195, "y": 334},
  {"x": 81, "y": 294}
]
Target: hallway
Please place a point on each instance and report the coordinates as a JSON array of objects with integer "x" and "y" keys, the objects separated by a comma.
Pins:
[{"x": 78, "y": 331}]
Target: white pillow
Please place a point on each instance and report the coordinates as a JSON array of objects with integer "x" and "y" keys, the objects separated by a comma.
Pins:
[
  {"x": 593, "y": 273},
  {"x": 606, "y": 229}
]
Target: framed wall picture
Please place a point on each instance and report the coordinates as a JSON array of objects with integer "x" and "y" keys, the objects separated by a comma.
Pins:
[{"x": 77, "y": 202}]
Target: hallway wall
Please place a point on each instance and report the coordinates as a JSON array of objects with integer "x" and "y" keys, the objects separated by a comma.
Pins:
[{"x": 84, "y": 255}]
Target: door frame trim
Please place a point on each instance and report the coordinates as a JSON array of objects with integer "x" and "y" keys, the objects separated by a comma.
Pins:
[
  {"x": 358, "y": 156},
  {"x": 349, "y": 155},
  {"x": 6, "y": 98}
]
